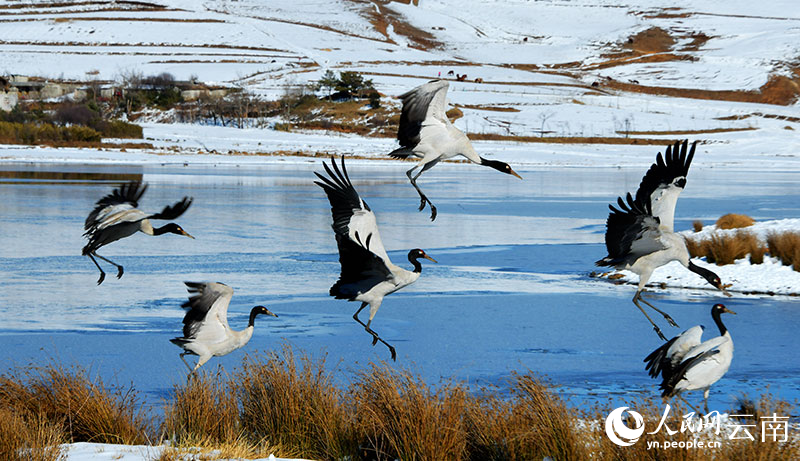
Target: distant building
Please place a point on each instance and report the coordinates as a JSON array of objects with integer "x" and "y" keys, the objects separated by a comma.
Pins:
[{"x": 8, "y": 100}]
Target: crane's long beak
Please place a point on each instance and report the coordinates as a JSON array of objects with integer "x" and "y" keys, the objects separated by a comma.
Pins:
[
  {"x": 183, "y": 232},
  {"x": 515, "y": 174},
  {"x": 431, "y": 259},
  {"x": 725, "y": 309},
  {"x": 722, "y": 288}
]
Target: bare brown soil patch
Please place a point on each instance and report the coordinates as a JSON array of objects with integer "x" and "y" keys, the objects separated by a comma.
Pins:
[
  {"x": 122, "y": 19},
  {"x": 386, "y": 16},
  {"x": 489, "y": 108},
  {"x": 652, "y": 40},
  {"x": 565, "y": 139},
  {"x": 685, "y": 132},
  {"x": 779, "y": 90}
]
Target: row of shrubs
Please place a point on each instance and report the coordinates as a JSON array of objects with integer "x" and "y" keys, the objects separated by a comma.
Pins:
[
  {"x": 726, "y": 248},
  {"x": 46, "y": 133},
  {"x": 66, "y": 122},
  {"x": 289, "y": 405}
]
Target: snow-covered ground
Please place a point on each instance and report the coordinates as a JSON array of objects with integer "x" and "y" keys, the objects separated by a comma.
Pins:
[{"x": 85, "y": 451}]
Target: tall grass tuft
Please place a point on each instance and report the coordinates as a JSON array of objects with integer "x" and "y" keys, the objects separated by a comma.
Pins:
[
  {"x": 203, "y": 413},
  {"x": 697, "y": 225},
  {"x": 86, "y": 409},
  {"x": 786, "y": 247},
  {"x": 400, "y": 417},
  {"x": 734, "y": 221},
  {"x": 291, "y": 403},
  {"x": 533, "y": 423},
  {"x": 723, "y": 249},
  {"x": 27, "y": 436}
]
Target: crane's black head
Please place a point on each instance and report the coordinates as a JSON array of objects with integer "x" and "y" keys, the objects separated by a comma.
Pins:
[
  {"x": 171, "y": 228},
  {"x": 710, "y": 277},
  {"x": 417, "y": 253},
  {"x": 414, "y": 255},
  {"x": 259, "y": 310},
  {"x": 721, "y": 309},
  {"x": 499, "y": 166}
]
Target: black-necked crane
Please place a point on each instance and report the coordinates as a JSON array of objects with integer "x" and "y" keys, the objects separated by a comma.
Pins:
[
  {"x": 687, "y": 364},
  {"x": 116, "y": 216},
  {"x": 426, "y": 132},
  {"x": 367, "y": 272},
  {"x": 205, "y": 326},
  {"x": 640, "y": 236}
]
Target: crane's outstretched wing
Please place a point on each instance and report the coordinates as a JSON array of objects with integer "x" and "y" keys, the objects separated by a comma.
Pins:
[
  {"x": 123, "y": 198},
  {"x": 666, "y": 358},
  {"x": 207, "y": 317},
  {"x": 424, "y": 105},
  {"x": 631, "y": 232},
  {"x": 664, "y": 181},
  {"x": 361, "y": 253},
  {"x": 173, "y": 211}
]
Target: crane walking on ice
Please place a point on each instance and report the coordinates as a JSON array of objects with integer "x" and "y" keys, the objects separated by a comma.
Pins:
[
  {"x": 367, "y": 273},
  {"x": 687, "y": 364},
  {"x": 115, "y": 216},
  {"x": 205, "y": 326},
  {"x": 639, "y": 235},
  {"x": 426, "y": 132}
]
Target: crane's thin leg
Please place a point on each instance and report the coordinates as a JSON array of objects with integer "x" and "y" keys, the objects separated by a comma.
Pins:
[
  {"x": 666, "y": 316},
  {"x": 375, "y": 337},
  {"x": 636, "y": 298},
  {"x": 183, "y": 354},
  {"x": 102, "y": 273},
  {"x": 119, "y": 268},
  {"x": 423, "y": 198}
]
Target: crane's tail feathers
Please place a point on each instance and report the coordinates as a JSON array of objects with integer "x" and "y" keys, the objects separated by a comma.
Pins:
[
  {"x": 607, "y": 261},
  {"x": 402, "y": 152},
  {"x": 179, "y": 341}
]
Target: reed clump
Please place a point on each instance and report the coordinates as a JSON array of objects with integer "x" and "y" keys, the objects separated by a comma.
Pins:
[
  {"x": 734, "y": 221},
  {"x": 400, "y": 417},
  {"x": 724, "y": 248},
  {"x": 286, "y": 403},
  {"x": 786, "y": 247},
  {"x": 26, "y": 436},
  {"x": 87, "y": 410},
  {"x": 531, "y": 423},
  {"x": 291, "y": 403},
  {"x": 202, "y": 413}
]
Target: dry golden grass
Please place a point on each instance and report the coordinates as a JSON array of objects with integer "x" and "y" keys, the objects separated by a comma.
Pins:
[
  {"x": 533, "y": 424},
  {"x": 84, "y": 407},
  {"x": 286, "y": 404},
  {"x": 722, "y": 249},
  {"x": 734, "y": 221},
  {"x": 28, "y": 436},
  {"x": 204, "y": 412},
  {"x": 400, "y": 417},
  {"x": 697, "y": 225},
  {"x": 290, "y": 403},
  {"x": 786, "y": 247}
]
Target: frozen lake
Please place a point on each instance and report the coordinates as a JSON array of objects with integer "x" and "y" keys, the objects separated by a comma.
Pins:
[{"x": 511, "y": 290}]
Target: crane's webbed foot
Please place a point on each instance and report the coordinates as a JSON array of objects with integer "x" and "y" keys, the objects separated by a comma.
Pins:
[{"x": 102, "y": 277}]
